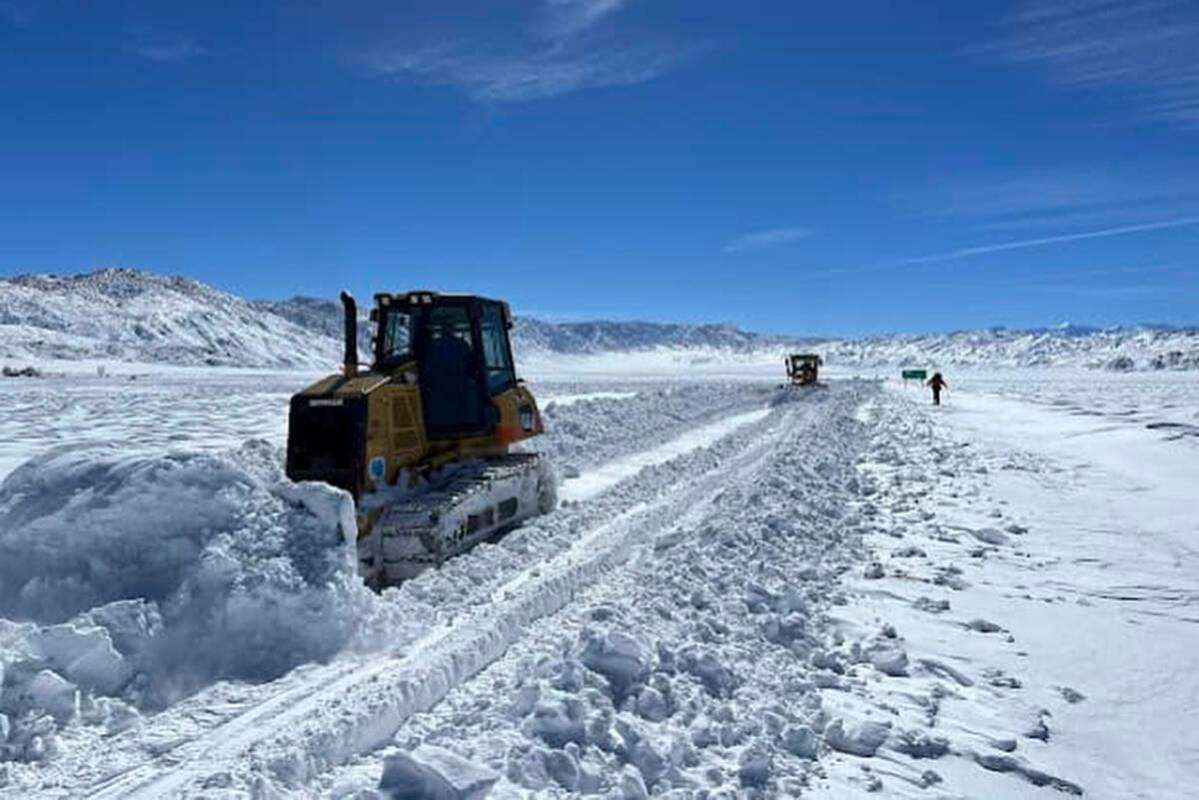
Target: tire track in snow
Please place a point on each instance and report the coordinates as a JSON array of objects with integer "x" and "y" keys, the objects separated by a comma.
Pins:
[{"x": 354, "y": 708}]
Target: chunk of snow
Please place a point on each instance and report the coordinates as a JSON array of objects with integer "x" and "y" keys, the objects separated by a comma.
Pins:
[
  {"x": 333, "y": 507},
  {"x": 433, "y": 773},
  {"x": 557, "y": 721},
  {"x": 991, "y": 536},
  {"x": 863, "y": 739},
  {"x": 754, "y": 766},
  {"x": 669, "y": 538},
  {"x": 632, "y": 785},
  {"x": 85, "y": 655},
  {"x": 983, "y": 626},
  {"x": 717, "y": 679},
  {"x": 649, "y": 761},
  {"x": 50, "y": 692},
  {"x": 784, "y": 629},
  {"x": 918, "y": 744},
  {"x": 889, "y": 659},
  {"x": 800, "y": 741},
  {"x": 132, "y": 624},
  {"x": 563, "y": 767},
  {"x": 652, "y": 705},
  {"x": 617, "y": 656}
]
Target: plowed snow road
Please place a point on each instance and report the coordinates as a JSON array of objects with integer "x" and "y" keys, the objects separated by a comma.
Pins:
[{"x": 288, "y": 732}]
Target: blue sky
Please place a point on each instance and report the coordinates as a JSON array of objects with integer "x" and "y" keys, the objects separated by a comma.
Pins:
[{"x": 835, "y": 168}]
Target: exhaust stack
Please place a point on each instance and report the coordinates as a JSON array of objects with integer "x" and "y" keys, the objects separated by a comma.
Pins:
[{"x": 350, "y": 366}]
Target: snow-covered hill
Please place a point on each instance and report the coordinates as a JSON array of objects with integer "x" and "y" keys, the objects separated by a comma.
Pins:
[{"x": 130, "y": 315}]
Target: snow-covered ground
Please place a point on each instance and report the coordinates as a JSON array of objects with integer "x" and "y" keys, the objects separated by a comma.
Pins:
[{"x": 751, "y": 591}]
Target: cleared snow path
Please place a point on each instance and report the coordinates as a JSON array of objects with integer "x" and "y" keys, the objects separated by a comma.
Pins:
[
  {"x": 592, "y": 482},
  {"x": 326, "y": 715},
  {"x": 685, "y": 669}
]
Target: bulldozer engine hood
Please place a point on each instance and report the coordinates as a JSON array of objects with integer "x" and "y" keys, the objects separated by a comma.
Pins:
[{"x": 335, "y": 387}]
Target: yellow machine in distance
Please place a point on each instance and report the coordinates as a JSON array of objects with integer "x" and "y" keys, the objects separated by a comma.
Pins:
[
  {"x": 803, "y": 368},
  {"x": 422, "y": 438}
]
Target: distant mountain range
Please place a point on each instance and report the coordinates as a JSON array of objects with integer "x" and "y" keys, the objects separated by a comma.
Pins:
[{"x": 131, "y": 315}]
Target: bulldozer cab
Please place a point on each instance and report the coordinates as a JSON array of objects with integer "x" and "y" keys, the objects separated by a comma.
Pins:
[
  {"x": 462, "y": 353},
  {"x": 803, "y": 368}
]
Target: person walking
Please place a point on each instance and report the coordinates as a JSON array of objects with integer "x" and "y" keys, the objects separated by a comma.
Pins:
[{"x": 937, "y": 383}]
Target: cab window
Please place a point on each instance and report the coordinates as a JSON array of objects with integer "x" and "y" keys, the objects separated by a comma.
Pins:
[
  {"x": 397, "y": 337},
  {"x": 497, "y": 361}
]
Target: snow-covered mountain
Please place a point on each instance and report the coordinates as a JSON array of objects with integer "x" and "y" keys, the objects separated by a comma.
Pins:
[
  {"x": 580, "y": 338},
  {"x": 319, "y": 315},
  {"x": 1122, "y": 349},
  {"x": 130, "y": 315}
]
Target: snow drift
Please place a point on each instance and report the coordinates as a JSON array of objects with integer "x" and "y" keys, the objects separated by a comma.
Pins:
[{"x": 143, "y": 579}]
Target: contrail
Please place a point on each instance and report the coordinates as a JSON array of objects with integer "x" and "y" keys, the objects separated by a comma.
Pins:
[{"x": 1069, "y": 237}]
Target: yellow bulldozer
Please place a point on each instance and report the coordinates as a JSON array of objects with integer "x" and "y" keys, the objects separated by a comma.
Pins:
[
  {"x": 423, "y": 438},
  {"x": 803, "y": 368}
]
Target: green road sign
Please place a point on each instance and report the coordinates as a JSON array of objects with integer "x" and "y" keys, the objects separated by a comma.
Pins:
[{"x": 915, "y": 374}]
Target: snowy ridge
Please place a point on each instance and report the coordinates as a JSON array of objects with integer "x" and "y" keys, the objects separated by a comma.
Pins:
[
  {"x": 129, "y": 315},
  {"x": 579, "y": 338},
  {"x": 1120, "y": 349},
  {"x": 323, "y": 317}
]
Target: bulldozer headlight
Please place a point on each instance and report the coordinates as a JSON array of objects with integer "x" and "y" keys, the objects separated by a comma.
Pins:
[{"x": 526, "y": 418}]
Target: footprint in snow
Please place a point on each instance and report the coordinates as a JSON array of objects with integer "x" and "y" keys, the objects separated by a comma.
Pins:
[
  {"x": 1006, "y": 763},
  {"x": 1071, "y": 696},
  {"x": 992, "y": 536},
  {"x": 929, "y": 605},
  {"x": 1039, "y": 729},
  {"x": 983, "y": 626}
]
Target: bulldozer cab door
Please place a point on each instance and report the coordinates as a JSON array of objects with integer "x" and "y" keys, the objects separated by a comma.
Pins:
[{"x": 465, "y": 359}]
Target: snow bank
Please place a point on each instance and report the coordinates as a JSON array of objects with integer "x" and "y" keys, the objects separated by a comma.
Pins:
[{"x": 143, "y": 579}]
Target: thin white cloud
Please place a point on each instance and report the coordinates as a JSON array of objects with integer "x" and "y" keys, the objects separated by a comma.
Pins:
[
  {"x": 1143, "y": 47},
  {"x": 1097, "y": 217},
  {"x": 543, "y": 72},
  {"x": 1059, "y": 198},
  {"x": 170, "y": 50},
  {"x": 1057, "y": 190},
  {"x": 559, "y": 52},
  {"x": 563, "y": 18},
  {"x": 761, "y": 240},
  {"x": 1043, "y": 241}
]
